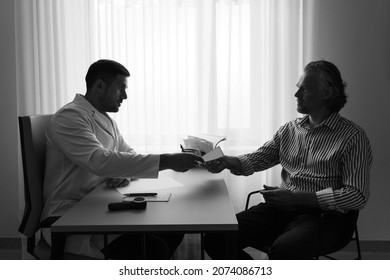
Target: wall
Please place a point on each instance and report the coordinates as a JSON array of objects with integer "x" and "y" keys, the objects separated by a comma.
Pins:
[
  {"x": 355, "y": 35},
  {"x": 9, "y": 201}
]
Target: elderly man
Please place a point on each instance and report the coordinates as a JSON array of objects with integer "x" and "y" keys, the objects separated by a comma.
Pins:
[
  {"x": 85, "y": 149},
  {"x": 325, "y": 161}
]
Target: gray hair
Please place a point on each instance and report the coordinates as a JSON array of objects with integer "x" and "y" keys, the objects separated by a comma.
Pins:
[{"x": 332, "y": 76}]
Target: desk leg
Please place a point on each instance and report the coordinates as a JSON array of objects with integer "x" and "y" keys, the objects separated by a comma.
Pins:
[
  {"x": 143, "y": 242},
  {"x": 105, "y": 246},
  {"x": 202, "y": 246},
  {"x": 231, "y": 246},
  {"x": 57, "y": 245}
]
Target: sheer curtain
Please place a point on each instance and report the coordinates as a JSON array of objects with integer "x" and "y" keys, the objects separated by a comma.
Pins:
[{"x": 219, "y": 67}]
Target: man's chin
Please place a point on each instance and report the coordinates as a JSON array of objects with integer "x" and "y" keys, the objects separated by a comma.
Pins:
[
  {"x": 301, "y": 110},
  {"x": 113, "y": 110}
]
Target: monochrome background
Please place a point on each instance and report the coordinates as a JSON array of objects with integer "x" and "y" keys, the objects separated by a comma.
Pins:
[{"x": 203, "y": 73}]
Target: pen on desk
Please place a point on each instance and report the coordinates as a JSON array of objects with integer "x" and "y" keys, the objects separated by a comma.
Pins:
[{"x": 140, "y": 194}]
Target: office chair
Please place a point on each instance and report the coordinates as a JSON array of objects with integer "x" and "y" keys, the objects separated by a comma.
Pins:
[
  {"x": 353, "y": 236},
  {"x": 33, "y": 145}
]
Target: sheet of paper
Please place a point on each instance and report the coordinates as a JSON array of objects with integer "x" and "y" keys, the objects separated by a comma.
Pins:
[
  {"x": 203, "y": 146},
  {"x": 214, "y": 154},
  {"x": 146, "y": 185}
]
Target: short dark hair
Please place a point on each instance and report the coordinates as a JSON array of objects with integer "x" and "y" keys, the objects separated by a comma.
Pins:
[
  {"x": 104, "y": 69},
  {"x": 332, "y": 75}
]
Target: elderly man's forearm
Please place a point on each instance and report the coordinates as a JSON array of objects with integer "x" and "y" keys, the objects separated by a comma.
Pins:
[{"x": 307, "y": 200}]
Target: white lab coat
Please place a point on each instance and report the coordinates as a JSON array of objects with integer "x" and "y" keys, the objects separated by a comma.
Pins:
[{"x": 83, "y": 148}]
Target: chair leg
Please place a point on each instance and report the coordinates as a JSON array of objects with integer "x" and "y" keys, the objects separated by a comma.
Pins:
[{"x": 359, "y": 257}]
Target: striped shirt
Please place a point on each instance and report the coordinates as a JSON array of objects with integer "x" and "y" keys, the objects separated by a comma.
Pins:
[{"x": 333, "y": 160}]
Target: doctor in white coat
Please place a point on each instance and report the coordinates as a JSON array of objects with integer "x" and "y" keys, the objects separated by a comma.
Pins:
[{"x": 85, "y": 150}]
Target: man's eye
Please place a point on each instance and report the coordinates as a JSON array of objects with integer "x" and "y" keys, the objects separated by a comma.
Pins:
[{"x": 302, "y": 88}]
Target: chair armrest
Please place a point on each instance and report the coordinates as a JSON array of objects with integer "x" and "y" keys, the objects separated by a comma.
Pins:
[{"x": 249, "y": 197}]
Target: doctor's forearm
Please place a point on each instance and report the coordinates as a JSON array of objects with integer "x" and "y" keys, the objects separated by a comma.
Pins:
[{"x": 164, "y": 161}]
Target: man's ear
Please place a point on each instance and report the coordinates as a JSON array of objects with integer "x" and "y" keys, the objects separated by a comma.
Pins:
[
  {"x": 328, "y": 92},
  {"x": 99, "y": 85}
]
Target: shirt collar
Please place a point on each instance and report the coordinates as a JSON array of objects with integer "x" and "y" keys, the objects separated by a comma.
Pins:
[
  {"x": 104, "y": 121},
  {"x": 83, "y": 103},
  {"x": 331, "y": 121}
]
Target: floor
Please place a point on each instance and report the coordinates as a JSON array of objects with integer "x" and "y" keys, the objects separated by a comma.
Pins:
[
  {"x": 190, "y": 249},
  {"x": 14, "y": 254},
  {"x": 341, "y": 255},
  {"x": 10, "y": 254}
]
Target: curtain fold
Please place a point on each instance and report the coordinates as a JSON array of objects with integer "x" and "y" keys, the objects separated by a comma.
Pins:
[{"x": 220, "y": 67}]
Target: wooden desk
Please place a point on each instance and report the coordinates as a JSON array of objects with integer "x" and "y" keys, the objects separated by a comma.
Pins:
[{"x": 202, "y": 205}]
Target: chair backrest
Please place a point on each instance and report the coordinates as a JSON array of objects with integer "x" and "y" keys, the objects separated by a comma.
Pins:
[{"x": 33, "y": 145}]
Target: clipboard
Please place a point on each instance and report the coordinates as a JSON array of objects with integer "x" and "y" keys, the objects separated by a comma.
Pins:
[{"x": 160, "y": 197}]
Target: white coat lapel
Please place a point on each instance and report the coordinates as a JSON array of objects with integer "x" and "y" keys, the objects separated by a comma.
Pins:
[{"x": 102, "y": 121}]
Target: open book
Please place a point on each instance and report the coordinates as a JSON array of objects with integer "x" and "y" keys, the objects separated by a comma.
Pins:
[{"x": 202, "y": 146}]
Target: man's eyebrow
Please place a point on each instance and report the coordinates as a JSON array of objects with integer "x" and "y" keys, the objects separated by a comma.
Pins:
[{"x": 302, "y": 84}]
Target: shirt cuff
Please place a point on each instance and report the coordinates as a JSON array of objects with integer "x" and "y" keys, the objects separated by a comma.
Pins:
[
  {"x": 246, "y": 166},
  {"x": 326, "y": 199}
]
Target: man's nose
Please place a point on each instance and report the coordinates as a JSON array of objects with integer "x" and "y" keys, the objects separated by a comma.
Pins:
[
  {"x": 124, "y": 94},
  {"x": 298, "y": 93}
]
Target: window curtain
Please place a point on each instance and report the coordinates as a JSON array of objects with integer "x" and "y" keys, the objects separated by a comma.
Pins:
[{"x": 216, "y": 67}]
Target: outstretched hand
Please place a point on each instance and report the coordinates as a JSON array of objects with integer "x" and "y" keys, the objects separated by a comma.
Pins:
[
  {"x": 225, "y": 162},
  {"x": 180, "y": 162},
  {"x": 216, "y": 166}
]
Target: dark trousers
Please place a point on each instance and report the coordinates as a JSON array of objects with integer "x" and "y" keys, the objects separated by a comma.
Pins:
[
  {"x": 130, "y": 246},
  {"x": 285, "y": 233}
]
